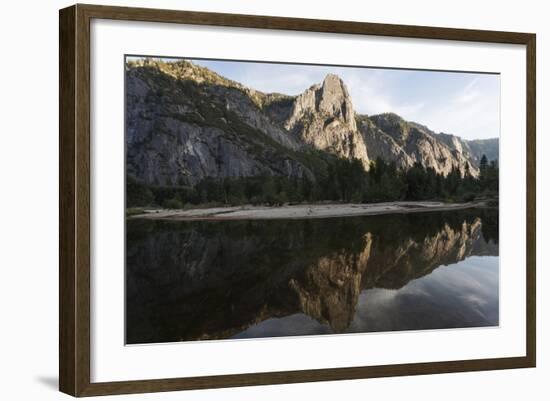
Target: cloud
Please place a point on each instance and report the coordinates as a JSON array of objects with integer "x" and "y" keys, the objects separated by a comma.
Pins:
[
  {"x": 469, "y": 93},
  {"x": 471, "y": 112}
]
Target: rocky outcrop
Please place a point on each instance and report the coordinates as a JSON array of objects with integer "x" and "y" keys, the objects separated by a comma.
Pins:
[
  {"x": 411, "y": 143},
  {"x": 185, "y": 123},
  {"x": 382, "y": 145},
  {"x": 323, "y": 117}
]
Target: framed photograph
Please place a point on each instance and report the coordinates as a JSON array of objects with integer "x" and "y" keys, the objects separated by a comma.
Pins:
[{"x": 250, "y": 200}]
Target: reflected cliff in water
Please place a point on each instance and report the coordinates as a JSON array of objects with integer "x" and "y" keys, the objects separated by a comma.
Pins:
[{"x": 239, "y": 279}]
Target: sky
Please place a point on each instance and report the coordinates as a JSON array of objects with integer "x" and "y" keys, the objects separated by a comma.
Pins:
[{"x": 463, "y": 104}]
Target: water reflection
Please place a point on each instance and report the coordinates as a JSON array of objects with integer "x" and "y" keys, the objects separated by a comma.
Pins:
[{"x": 240, "y": 279}]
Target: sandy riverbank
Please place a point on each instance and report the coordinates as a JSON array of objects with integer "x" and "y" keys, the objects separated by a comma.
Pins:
[{"x": 249, "y": 212}]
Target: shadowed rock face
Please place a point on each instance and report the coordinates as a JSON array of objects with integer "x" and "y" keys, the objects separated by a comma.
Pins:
[
  {"x": 487, "y": 147},
  {"x": 181, "y": 129},
  {"x": 185, "y": 122},
  {"x": 213, "y": 280}
]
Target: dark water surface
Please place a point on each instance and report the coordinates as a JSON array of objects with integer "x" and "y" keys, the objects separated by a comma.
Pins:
[{"x": 204, "y": 280}]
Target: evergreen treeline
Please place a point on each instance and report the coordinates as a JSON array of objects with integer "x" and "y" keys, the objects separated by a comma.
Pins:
[{"x": 343, "y": 181}]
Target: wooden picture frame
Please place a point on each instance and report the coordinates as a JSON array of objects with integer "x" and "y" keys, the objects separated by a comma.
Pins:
[{"x": 74, "y": 203}]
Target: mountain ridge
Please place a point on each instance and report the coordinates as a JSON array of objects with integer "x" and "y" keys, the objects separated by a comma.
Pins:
[{"x": 186, "y": 122}]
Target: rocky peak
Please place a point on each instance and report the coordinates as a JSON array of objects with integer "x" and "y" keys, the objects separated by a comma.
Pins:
[
  {"x": 330, "y": 99},
  {"x": 323, "y": 117},
  {"x": 334, "y": 100}
]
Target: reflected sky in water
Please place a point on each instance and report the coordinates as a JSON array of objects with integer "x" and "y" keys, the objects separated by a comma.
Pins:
[{"x": 464, "y": 294}]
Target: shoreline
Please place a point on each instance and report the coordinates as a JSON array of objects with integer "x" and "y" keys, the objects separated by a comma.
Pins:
[{"x": 302, "y": 211}]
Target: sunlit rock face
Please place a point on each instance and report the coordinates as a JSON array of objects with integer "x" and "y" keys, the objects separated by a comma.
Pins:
[
  {"x": 323, "y": 117},
  {"x": 196, "y": 281}
]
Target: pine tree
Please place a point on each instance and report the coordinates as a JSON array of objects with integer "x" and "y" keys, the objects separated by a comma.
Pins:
[{"x": 483, "y": 163}]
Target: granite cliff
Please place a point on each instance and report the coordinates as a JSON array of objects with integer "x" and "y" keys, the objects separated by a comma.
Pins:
[
  {"x": 184, "y": 123},
  {"x": 393, "y": 139}
]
